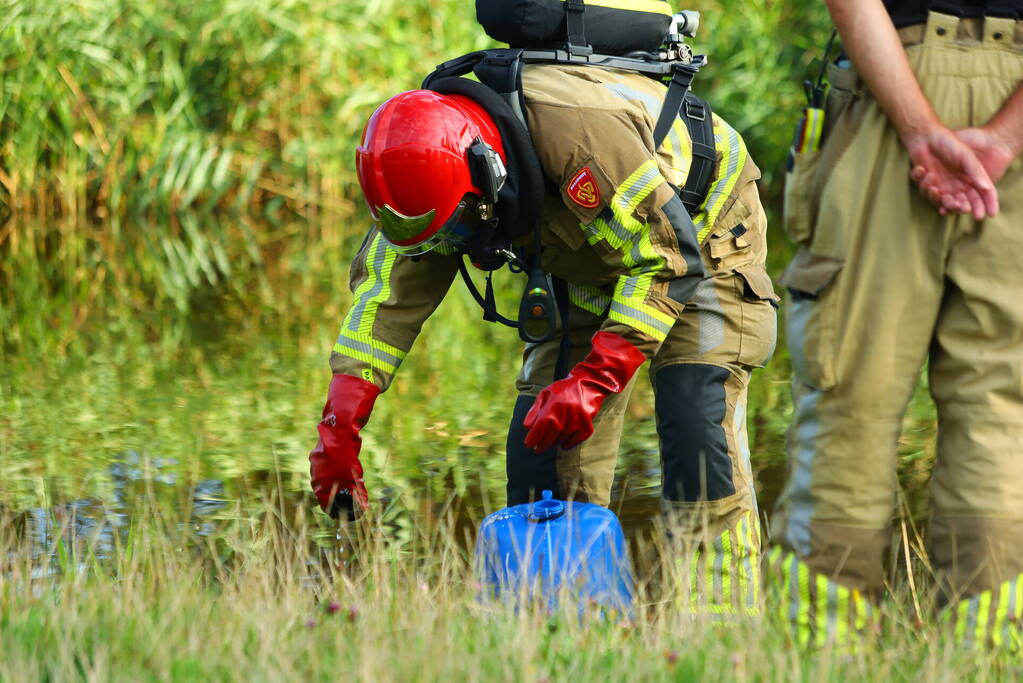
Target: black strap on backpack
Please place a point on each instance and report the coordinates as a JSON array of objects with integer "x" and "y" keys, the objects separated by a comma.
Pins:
[
  {"x": 575, "y": 28},
  {"x": 697, "y": 116}
]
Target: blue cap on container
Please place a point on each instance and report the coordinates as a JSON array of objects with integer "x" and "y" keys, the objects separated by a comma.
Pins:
[{"x": 546, "y": 508}]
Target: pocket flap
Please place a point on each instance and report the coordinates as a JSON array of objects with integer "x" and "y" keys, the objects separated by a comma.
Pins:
[
  {"x": 810, "y": 273},
  {"x": 758, "y": 282}
]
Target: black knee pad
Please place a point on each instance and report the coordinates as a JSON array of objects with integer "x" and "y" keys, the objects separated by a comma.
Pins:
[
  {"x": 529, "y": 472},
  {"x": 690, "y": 406}
]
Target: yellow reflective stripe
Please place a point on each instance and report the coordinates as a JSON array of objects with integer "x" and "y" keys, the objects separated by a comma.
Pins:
[
  {"x": 726, "y": 568},
  {"x": 1001, "y": 613},
  {"x": 805, "y": 604},
  {"x": 644, "y": 318},
  {"x": 378, "y": 354},
  {"x": 638, "y": 187},
  {"x": 744, "y": 559},
  {"x": 375, "y": 290},
  {"x": 961, "y": 614},
  {"x": 600, "y": 230},
  {"x": 651, "y": 6},
  {"x": 983, "y": 614},
  {"x": 814, "y": 128},
  {"x": 753, "y": 529},
  {"x": 842, "y": 614},
  {"x": 823, "y": 604},
  {"x": 681, "y": 150},
  {"x": 695, "y": 587},
  {"x": 733, "y": 161}
]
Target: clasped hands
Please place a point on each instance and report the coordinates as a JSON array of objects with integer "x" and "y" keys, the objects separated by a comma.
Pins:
[{"x": 957, "y": 170}]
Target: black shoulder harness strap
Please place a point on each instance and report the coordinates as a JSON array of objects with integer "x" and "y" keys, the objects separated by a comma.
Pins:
[{"x": 501, "y": 70}]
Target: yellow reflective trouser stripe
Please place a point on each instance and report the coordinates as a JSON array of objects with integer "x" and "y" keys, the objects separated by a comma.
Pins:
[
  {"x": 824, "y": 624},
  {"x": 733, "y": 161},
  {"x": 979, "y": 623},
  {"x": 589, "y": 298},
  {"x": 651, "y": 6},
  {"x": 962, "y": 613},
  {"x": 355, "y": 338},
  {"x": 983, "y": 613},
  {"x": 820, "y": 610},
  {"x": 724, "y": 574}
]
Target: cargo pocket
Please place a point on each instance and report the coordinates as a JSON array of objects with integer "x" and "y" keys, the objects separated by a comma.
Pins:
[
  {"x": 729, "y": 245},
  {"x": 758, "y": 307},
  {"x": 807, "y": 170},
  {"x": 799, "y": 213},
  {"x": 810, "y": 322}
]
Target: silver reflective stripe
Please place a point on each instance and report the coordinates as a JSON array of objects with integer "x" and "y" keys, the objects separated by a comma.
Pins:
[
  {"x": 798, "y": 497},
  {"x": 639, "y": 316},
  {"x": 711, "y": 316},
  {"x": 794, "y": 588},
  {"x": 651, "y": 103},
  {"x": 971, "y": 620},
  {"x": 627, "y": 196},
  {"x": 746, "y": 533},
  {"x": 832, "y": 610},
  {"x": 742, "y": 442},
  {"x": 363, "y": 347},
  {"x": 798, "y": 317},
  {"x": 588, "y": 298},
  {"x": 719, "y": 569},
  {"x": 614, "y": 226}
]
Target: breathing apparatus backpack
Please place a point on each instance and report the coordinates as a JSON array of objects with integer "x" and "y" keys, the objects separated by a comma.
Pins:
[{"x": 579, "y": 33}]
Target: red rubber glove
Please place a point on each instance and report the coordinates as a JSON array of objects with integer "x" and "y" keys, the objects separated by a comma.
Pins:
[
  {"x": 334, "y": 462},
  {"x": 563, "y": 413}
]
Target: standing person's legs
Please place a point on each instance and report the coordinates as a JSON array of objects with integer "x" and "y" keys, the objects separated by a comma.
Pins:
[
  {"x": 976, "y": 533},
  {"x": 864, "y": 295}
]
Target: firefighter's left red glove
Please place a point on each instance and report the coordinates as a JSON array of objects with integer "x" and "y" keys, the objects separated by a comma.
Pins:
[
  {"x": 334, "y": 462},
  {"x": 563, "y": 413}
]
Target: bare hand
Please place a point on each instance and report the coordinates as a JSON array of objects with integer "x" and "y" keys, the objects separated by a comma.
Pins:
[
  {"x": 950, "y": 174},
  {"x": 990, "y": 149}
]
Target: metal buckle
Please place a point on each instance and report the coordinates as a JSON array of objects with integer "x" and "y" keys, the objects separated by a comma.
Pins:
[{"x": 694, "y": 110}]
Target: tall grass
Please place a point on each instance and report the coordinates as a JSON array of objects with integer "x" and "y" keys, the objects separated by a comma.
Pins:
[{"x": 269, "y": 596}]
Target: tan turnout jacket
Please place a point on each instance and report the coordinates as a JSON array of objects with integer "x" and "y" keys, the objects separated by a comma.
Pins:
[{"x": 616, "y": 231}]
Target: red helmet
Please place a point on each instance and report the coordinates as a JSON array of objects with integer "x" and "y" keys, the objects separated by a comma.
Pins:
[{"x": 418, "y": 161}]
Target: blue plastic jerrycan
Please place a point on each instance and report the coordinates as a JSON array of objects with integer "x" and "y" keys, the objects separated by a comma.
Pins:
[{"x": 551, "y": 548}]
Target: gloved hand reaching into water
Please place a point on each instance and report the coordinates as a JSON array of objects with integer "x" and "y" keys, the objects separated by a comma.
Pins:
[
  {"x": 334, "y": 462},
  {"x": 563, "y": 413}
]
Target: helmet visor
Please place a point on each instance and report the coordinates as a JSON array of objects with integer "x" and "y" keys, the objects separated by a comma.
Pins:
[{"x": 399, "y": 228}]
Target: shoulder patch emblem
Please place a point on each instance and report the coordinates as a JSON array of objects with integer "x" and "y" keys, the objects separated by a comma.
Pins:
[{"x": 582, "y": 189}]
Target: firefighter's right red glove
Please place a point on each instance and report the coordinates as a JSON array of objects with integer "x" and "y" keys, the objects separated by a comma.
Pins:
[
  {"x": 334, "y": 462},
  {"x": 563, "y": 413}
]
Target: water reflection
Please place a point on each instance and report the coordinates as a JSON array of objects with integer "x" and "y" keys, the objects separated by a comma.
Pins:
[{"x": 63, "y": 537}]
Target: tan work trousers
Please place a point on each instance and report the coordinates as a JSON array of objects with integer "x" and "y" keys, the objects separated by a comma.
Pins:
[{"x": 882, "y": 282}]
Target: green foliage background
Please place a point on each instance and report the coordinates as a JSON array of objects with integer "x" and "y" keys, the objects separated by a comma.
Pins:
[{"x": 180, "y": 205}]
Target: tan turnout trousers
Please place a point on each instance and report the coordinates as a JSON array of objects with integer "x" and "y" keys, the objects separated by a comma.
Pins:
[{"x": 881, "y": 283}]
